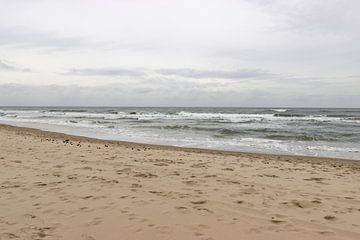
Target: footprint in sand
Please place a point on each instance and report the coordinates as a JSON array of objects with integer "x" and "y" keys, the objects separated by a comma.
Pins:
[
  {"x": 315, "y": 179},
  {"x": 87, "y": 197},
  {"x": 94, "y": 222},
  {"x": 87, "y": 237},
  {"x": 163, "y": 229},
  {"x": 198, "y": 229},
  {"x": 203, "y": 209},
  {"x": 29, "y": 216},
  {"x": 228, "y": 169},
  {"x": 330, "y": 217},
  {"x": 136, "y": 185},
  {"x": 190, "y": 182},
  {"x": 199, "y": 202},
  {"x": 124, "y": 170},
  {"x": 326, "y": 233},
  {"x": 210, "y": 176},
  {"x": 303, "y": 203},
  {"x": 276, "y": 220},
  {"x": 145, "y": 175},
  {"x": 181, "y": 208},
  {"x": 8, "y": 236},
  {"x": 161, "y": 164}
]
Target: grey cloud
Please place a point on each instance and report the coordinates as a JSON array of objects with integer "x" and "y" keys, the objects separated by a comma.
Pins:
[
  {"x": 21, "y": 37},
  {"x": 180, "y": 72},
  {"x": 191, "y": 74},
  {"x": 5, "y": 66},
  {"x": 105, "y": 72},
  {"x": 218, "y": 74},
  {"x": 168, "y": 95},
  {"x": 240, "y": 74}
]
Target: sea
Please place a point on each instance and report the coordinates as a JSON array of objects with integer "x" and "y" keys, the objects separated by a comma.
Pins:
[{"x": 323, "y": 132}]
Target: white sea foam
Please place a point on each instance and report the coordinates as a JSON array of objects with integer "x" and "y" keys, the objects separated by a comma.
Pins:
[
  {"x": 182, "y": 115},
  {"x": 279, "y": 110},
  {"x": 288, "y": 131},
  {"x": 334, "y": 149}
]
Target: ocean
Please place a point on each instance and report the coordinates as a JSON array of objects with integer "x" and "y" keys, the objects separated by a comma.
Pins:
[{"x": 325, "y": 132}]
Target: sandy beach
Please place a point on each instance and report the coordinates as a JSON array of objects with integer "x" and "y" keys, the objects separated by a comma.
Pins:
[{"x": 56, "y": 186}]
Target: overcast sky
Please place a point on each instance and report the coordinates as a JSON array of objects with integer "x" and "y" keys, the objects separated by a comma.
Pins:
[{"x": 180, "y": 53}]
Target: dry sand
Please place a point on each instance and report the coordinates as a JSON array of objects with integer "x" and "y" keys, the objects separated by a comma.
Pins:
[{"x": 56, "y": 186}]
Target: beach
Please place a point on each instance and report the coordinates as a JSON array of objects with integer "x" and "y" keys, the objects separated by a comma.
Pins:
[{"x": 58, "y": 186}]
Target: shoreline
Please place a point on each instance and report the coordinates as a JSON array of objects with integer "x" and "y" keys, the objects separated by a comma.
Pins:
[
  {"x": 324, "y": 132},
  {"x": 59, "y": 135},
  {"x": 58, "y": 186}
]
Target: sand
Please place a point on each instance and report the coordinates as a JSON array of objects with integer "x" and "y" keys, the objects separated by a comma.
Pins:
[{"x": 56, "y": 186}]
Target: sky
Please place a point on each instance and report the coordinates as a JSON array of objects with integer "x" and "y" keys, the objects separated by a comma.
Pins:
[{"x": 214, "y": 53}]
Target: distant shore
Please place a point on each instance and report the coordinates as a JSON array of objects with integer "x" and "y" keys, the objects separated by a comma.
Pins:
[{"x": 59, "y": 186}]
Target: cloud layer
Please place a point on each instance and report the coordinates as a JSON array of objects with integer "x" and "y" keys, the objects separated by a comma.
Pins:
[
  {"x": 174, "y": 72},
  {"x": 217, "y": 74},
  {"x": 5, "y": 66},
  {"x": 186, "y": 53},
  {"x": 160, "y": 92}
]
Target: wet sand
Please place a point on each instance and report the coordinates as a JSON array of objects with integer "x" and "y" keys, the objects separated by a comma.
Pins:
[{"x": 57, "y": 186}]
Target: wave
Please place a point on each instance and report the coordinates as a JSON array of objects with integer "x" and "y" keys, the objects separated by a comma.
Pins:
[
  {"x": 217, "y": 132},
  {"x": 279, "y": 110},
  {"x": 175, "y": 127},
  {"x": 343, "y": 116},
  {"x": 289, "y": 115},
  {"x": 66, "y": 110},
  {"x": 184, "y": 127},
  {"x": 200, "y": 117},
  {"x": 298, "y": 137},
  {"x": 112, "y": 112},
  {"x": 229, "y": 132},
  {"x": 330, "y": 132}
]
